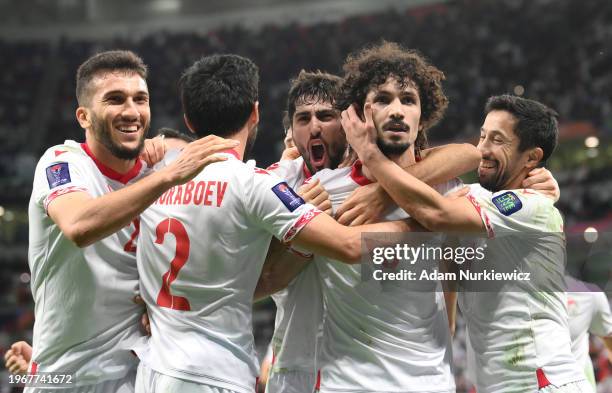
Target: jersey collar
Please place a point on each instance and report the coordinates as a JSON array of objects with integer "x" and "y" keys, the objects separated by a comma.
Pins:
[
  {"x": 357, "y": 174},
  {"x": 232, "y": 152},
  {"x": 112, "y": 174}
]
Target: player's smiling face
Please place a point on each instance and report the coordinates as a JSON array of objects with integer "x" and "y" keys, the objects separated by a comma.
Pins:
[
  {"x": 318, "y": 134},
  {"x": 501, "y": 161},
  {"x": 120, "y": 113},
  {"x": 396, "y": 111}
]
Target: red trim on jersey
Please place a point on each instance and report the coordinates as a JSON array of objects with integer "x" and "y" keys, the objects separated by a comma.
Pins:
[
  {"x": 542, "y": 380},
  {"x": 232, "y": 152},
  {"x": 123, "y": 178},
  {"x": 318, "y": 383},
  {"x": 357, "y": 174},
  {"x": 273, "y": 357},
  {"x": 60, "y": 192},
  {"x": 273, "y": 166},
  {"x": 482, "y": 215},
  {"x": 300, "y": 223},
  {"x": 34, "y": 368},
  {"x": 59, "y": 152}
]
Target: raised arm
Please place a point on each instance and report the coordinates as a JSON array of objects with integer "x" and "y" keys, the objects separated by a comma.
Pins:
[
  {"x": 366, "y": 204},
  {"x": 423, "y": 203},
  {"x": 85, "y": 220}
]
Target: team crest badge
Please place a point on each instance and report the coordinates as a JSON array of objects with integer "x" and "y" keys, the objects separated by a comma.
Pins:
[
  {"x": 507, "y": 203},
  {"x": 58, "y": 174},
  {"x": 290, "y": 199}
]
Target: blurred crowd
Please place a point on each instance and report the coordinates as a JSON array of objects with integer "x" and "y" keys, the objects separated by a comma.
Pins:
[{"x": 557, "y": 52}]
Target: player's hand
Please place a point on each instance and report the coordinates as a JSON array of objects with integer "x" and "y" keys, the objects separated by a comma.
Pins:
[
  {"x": 290, "y": 153},
  {"x": 18, "y": 358},
  {"x": 144, "y": 320},
  {"x": 153, "y": 151},
  {"x": 541, "y": 180},
  {"x": 196, "y": 156},
  {"x": 314, "y": 193},
  {"x": 361, "y": 135},
  {"x": 463, "y": 191},
  {"x": 349, "y": 158},
  {"x": 364, "y": 206}
]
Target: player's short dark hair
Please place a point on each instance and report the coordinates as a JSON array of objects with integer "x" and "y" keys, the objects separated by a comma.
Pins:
[
  {"x": 372, "y": 66},
  {"x": 103, "y": 62},
  {"x": 312, "y": 87},
  {"x": 173, "y": 133},
  {"x": 536, "y": 124},
  {"x": 218, "y": 93}
]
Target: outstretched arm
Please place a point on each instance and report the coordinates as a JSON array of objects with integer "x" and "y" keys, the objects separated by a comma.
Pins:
[
  {"x": 85, "y": 220},
  {"x": 324, "y": 236}
]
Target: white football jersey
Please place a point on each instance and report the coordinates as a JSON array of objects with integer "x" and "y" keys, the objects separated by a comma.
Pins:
[
  {"x": 201, "y": 249},
  {"x": 86, "y": 320},
  {"x": 589, "y": 312},
  {"x": 520, "y": 335},
  {"x": 377, "y": 337},
  {"x": 299, "y": 307}
]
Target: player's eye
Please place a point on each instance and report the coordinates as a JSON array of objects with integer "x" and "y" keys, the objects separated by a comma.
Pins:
[{"x": 381, "y": 99}]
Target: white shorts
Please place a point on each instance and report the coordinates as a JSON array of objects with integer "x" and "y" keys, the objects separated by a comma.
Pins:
[
  {"x": 123, "y": 385},
  {"x": 150, "y": 381},
  {"x": 572, "y": 387},
  {"x": 291, "y": 382}
]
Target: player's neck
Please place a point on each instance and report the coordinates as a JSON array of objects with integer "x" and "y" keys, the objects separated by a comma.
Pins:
[
  {"x": 404, "y": 160},
  {"x": 241, "y": 136},
  {"x": 516, "y": 181},
  {"x": 103, "y": 155}
]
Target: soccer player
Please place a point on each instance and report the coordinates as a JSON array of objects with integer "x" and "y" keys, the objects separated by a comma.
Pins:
[
  {"x": 202, "y": 245},
  {"x": 82, "y": 218},
  {"x": 393, "y": 339},
  {"x": 588, "y": 310},
  {"x": 520, "y": 338}
]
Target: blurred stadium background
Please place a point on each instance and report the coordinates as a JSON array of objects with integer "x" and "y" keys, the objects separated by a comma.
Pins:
[{"x": 555, "y": 51}]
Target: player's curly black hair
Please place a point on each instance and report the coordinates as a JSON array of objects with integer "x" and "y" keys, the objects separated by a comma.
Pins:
[{"x": 371, "y": 66}]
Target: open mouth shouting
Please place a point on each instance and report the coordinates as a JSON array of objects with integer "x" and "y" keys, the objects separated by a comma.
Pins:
[{"x": 318, "y": 153}]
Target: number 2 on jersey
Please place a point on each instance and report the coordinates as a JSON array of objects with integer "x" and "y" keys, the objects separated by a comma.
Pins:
[{"x": 165, "y": 298}]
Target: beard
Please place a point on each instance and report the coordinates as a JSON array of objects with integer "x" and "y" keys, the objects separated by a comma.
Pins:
[
  {"x": 493, "y": 182},
  {"x": 250, "y": 142},
  {"x": 102, "y": 133},
  {"x": 390, "y": 149}
]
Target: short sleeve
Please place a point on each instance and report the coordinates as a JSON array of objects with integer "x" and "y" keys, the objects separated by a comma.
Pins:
[
  {"x": 511, "y": 211},
  {"x": 290, "y": 170},
  {"x": 58, "y": 173},
  {"x": 274, "y": 206},
  {"x": 601, "y": 324}
]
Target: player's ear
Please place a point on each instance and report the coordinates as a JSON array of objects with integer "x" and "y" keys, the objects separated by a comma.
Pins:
[
  {"x": 188, "y": 124},
  {"x": 83, "y": 117},
  {"x": 254, "y": 117},
  {"x": 534, "y": 156}
]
